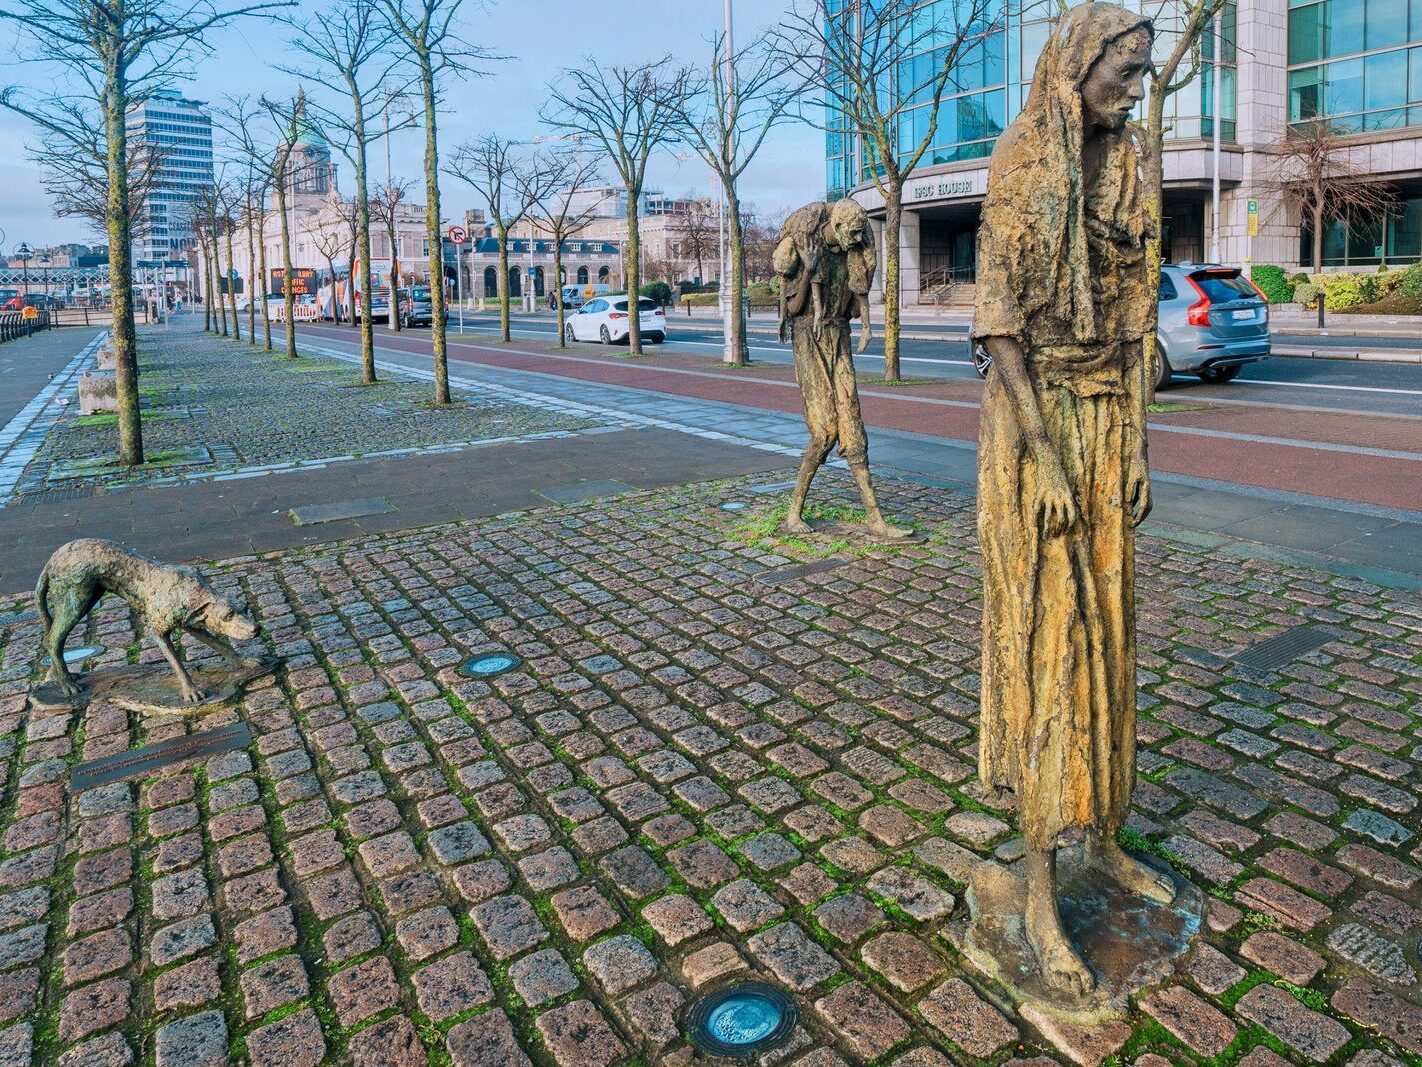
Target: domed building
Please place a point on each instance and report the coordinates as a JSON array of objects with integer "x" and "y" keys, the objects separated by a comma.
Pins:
[{"x": 310, "y": 172}]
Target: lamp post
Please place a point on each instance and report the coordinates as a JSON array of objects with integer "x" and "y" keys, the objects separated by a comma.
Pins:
[
  {"x": 1216, "y": 88},
  {"x": 45, "y": 259},
  {"x": 723, "y": 294},
  {"x": 24, "y": 254}
]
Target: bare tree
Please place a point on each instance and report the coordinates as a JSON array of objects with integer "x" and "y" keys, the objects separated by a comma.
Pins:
[
  {"x": 352, "y": 53},
  {"x": 1187, "y": 22},
  {"x": 331, "y": 238},
  {"x": 762, "y": 235},
  {"x": 73, "y": 159},
  {"x": 568, "y": 175},
  {"x": 512, "y": 183},
  {"x": 230, "y": 200},
  {"x": 385, "y": 208},
  {"x": 699, "y": 234},
  {"x": 435, "y": 49},
  {"x": 285, "y": 118},
  {"x": 854, "y": 50},
  {"x": 748, "y": 93},
  {"x": 119, "y": 52},
  {"x": 241, "y": 121},
  {"x": 1314, "y": 173},
  {"x": 630, "y": 112}
]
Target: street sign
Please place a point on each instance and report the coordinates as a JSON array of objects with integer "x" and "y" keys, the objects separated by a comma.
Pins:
[
  {"x": 457, "y": 235},
  {"x": 30, "y": 313},
  {"x": 1254, "y": 218}
]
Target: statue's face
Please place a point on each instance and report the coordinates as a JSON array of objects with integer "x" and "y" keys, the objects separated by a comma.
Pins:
[
  {"x": 844, "y": 233},
  {"x": 1116, "y": 83}
]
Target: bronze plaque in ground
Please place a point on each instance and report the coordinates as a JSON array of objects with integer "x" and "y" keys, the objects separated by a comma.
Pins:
[{"x": 141, "y": 761}]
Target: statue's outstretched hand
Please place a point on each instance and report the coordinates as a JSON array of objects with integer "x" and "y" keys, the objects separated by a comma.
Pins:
[
  {"x": 1138, "y": 496},
  {"x": 866, "y": 334}
]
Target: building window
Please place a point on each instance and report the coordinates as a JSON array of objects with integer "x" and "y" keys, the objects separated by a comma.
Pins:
[
  {"x": 1349, "y": 64},
  {"x": 1394, "y": 238}
]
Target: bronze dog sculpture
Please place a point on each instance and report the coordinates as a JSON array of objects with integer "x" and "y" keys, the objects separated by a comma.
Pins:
[{"x": 168, "y": 598}]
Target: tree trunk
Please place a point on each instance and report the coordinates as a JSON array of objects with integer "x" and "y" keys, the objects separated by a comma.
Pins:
[
  {"x": 367, "y": 286},
  {"x": 1318, "y": 255},
  {"x": 220, "y": 292},
  {"x": 558, "y": 280},
  {"x": 263, "y": 282},
  {"x": 634, "y": 275},
  {"x": 335, "y": 298},
  {"x": 231, "y": 283},
  {"x": 115, "y": 105},
  {"x": 739, "y": 354},
  {"x": 437, "y": 325},
  {"x": 504, "y": 295},
  {"x": 893, "y": 221},
  {"x": 251, "y": 281},
  {"x": 288, "y": 296},
  {"x": 209, "y": 320}
]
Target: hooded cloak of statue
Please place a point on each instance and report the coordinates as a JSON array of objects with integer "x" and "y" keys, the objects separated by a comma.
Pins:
[{"x": 1062, "y": 271}]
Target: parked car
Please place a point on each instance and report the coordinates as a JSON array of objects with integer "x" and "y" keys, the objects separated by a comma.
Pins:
[
  {"x": 1213, "y": 321},
  {"x": 604, "y": 318},
  {"x": 416, "y": 308},
  {"x": 379, "y": 306}
]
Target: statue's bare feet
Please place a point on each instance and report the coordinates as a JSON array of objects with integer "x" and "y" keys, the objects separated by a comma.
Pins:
[
  {"x": 1057, "y": 958},
  {"x": 68, "y": 686},
  {"x": 882, "y": 529},
  {"x": 192, "y": 694},
  {"x": 795, "y": 524},
  {"x": 1106, "y": 856}
]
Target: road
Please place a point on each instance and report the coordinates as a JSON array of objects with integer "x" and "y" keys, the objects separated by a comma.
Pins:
[{"x": 1358, "y": 386}]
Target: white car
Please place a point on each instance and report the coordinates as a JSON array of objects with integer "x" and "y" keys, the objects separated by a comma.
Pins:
[{"x": 604, "y": 318}]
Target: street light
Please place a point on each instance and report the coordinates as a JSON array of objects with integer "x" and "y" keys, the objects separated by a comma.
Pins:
[{"x": 24, "y": 254}]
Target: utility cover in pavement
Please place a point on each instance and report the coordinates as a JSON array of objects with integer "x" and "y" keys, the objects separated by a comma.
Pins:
[
  {"x": 1284, "y": 647},
  {"x": 489, "y": 666},
  {"x": 742, "y": 1021},
  {"x": 141, "y": 761},
  {"x": 571, "y": 494},
  {"x": 800, "y": 570},
  {"x": 312, "y": 514}
]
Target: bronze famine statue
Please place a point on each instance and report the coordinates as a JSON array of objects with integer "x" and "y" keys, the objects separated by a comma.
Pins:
[
  {"x": 1062, "y": 305},
  {"x": 825, "y": 264},
  {"x": 167, "y": 598}
]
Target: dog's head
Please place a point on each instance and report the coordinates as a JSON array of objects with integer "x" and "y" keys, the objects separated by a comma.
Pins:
[{"x": 220, "y": 615}]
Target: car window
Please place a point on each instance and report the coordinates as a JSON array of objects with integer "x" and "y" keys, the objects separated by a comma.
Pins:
[
  {"x": 620, "y": 305},
  {"x": 646, "y": 305},
  {"x": 1223, "y": 285},
  {"x": 1167, "y": 289},
  {"x": 421, "y": 294},
  {"x": 594, "y": 305}
]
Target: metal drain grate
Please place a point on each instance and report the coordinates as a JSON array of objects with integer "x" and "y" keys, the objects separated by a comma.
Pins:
[
  {"x": 17, "y": 617},
  {"x": 141, "y": 761},
  {"x": 1284, "y": 647},
  {"x": 781, "y": 575}
]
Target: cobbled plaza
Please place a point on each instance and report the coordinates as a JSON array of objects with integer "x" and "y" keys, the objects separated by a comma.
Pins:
[{"x": 695, "y": 774}]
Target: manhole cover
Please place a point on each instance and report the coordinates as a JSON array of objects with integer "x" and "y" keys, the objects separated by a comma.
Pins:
[
  {"x": 140, "y": 761},
  {"x": 312, "y": 514},
  {"x": 77, "y": 655},
  {"x": 734, "y": 505},
  {"x": 1284, "y": 647},
  {"x": 742, "y": 1021},
  {"x": 489, "y": 666}
]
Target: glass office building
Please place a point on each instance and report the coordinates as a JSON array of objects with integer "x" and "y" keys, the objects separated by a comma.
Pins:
[
  {"x": 1356, "y": 62},
  {"x": 183, "y": 130}
]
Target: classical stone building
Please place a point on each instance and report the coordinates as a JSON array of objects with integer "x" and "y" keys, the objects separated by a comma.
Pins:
[{"x": 1359, "y": 65}]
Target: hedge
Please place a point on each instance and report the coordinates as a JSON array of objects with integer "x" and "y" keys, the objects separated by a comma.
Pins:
[{"x": 1274, "y": 283}]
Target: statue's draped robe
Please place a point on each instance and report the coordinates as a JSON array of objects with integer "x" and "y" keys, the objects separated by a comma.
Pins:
[{"x": 1062, "y": 270}]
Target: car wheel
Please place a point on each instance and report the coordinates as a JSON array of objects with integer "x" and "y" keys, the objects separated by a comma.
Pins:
[
  {"x": 1218, "y": 375},
  {"x": 656, "y": 338},
  {"x": 568, "y": 334},
  {"x": 982, "y": 359},
  {"x": 605, "y": 336},
  {"x": 1162, "y": 369}
]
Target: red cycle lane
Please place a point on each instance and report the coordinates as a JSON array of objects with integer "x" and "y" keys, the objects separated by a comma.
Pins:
[{"x": 1299, "y": 467}]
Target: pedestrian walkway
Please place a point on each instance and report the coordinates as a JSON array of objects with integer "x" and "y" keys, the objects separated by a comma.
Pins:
[
  {"x": 1373, "y": 541},
  {"x": 38, "y": 383},
  {"x": 528, "y": 787}
]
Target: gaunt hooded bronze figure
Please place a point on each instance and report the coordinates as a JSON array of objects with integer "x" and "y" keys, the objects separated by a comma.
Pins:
[
  {"x": 1062, "y": 305},
  {"x": 825, "y": 265}
]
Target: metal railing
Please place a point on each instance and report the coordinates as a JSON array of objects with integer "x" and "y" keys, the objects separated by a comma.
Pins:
[
  {"x": 941, "y": 285},
  {"x": 13, "y": 324}
]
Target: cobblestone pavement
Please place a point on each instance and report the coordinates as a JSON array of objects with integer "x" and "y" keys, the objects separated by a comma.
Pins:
[
  {"x": 693, "y": 775},
  {"x": 214, "y": 405}
]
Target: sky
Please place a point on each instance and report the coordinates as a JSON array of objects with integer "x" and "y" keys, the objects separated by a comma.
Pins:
[{"x": 542, "y": 38}]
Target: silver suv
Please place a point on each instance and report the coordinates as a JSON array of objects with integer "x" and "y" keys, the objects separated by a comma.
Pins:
[{"x": 1213, "y": 320}]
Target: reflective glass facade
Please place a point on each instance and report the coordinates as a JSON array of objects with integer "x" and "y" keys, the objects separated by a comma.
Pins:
[
  {"x": 991, "y": 82},
  {"x": 1354, "y": 63}
]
